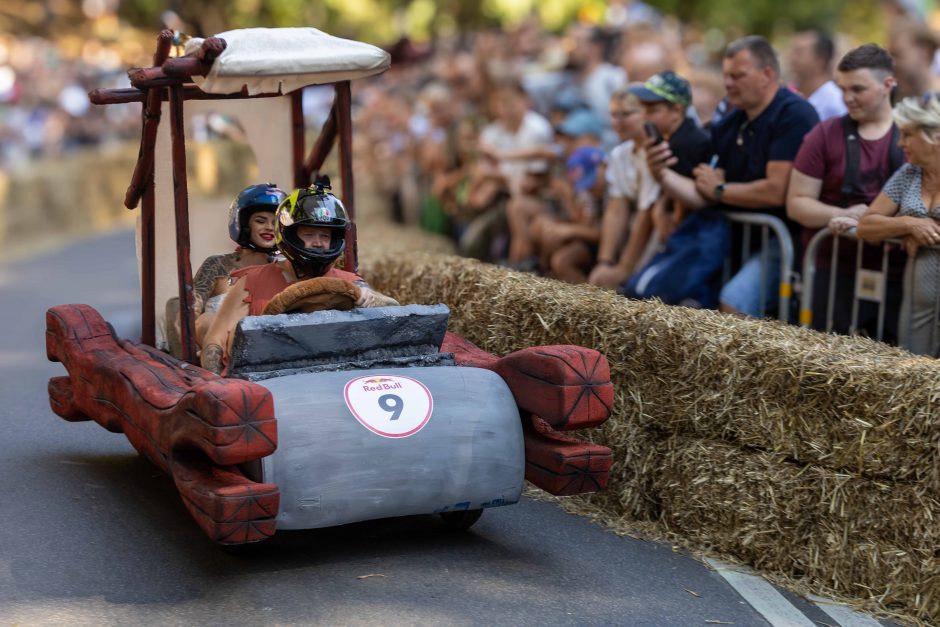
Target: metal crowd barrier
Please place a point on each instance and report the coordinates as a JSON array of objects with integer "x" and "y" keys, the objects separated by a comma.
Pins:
[
  {"x": 767, "y": 224},
  {"x": 870, "y": 285}
]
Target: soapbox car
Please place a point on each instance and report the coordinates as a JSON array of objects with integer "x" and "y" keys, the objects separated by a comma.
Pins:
[{"x": 324, "y": 418}]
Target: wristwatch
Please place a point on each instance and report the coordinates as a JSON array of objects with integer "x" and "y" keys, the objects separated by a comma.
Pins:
[{"x": 719, "y": 190}]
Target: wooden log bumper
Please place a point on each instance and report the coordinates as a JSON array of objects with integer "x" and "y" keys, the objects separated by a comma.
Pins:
[
  {"x": 567, "y": 386},
  {"x": 172, "y": 404}
]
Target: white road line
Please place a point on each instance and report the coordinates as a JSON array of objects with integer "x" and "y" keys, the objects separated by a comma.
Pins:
[
  {"x": 762, "y": 596},
  {"x": 843, "y": 614}
]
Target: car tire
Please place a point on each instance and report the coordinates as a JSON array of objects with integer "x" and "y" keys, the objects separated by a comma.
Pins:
[{"x": 461, "y": 520}]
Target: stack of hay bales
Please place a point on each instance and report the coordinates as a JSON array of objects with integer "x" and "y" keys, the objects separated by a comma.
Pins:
[
  {"x": 75, "y": 194},
  {"x": 807, "y": 455}
]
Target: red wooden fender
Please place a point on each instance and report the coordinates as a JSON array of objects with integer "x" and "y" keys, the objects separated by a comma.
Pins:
[
  {"x": 562, "y": 465},
  {"x": 557, "y": 388},
  {"x": 191, "y": 423},
  {"x": 229, "y": 508}
]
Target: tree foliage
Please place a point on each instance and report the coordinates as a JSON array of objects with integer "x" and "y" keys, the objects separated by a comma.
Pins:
[{"x": 385, "y": 20}]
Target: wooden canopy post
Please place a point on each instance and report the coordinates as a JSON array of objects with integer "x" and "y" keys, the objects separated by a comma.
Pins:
[
  {"x": 321, "y": 147},
  {"x": 343, "y": 110},
  {"x": 148, "y": 281},
  {"x": 297, "y": 138},
  {"x": 144, "y": 190},
  {"x": 181, "y": 205}
]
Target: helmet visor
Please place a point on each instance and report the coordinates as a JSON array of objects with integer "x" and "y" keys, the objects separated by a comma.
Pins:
[
  {"x": 315, "y": 210},
  {"x": 269, "y": 197}
]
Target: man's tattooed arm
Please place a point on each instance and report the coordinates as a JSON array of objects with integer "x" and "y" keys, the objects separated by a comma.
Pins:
[{"x": 211, "y": 358}]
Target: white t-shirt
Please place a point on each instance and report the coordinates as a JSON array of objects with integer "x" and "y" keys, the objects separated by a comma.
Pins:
[
  {"x": 534, "y": 131},
  {"x": 629, "y": 177},
  {"x": 827, "y": 100}
]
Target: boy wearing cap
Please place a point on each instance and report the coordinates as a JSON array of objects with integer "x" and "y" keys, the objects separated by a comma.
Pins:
[
  {"x": 687, "y": 270},
  {"x": 666, "y": 97}
]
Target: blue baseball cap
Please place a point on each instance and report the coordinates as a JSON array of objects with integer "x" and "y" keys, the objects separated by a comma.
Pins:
[
  {"x": 583, "y": 165},
  {"x": 581, "y": 122}
]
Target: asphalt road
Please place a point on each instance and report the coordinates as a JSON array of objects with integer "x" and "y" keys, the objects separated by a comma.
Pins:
[{"x": 90, "y": 533}]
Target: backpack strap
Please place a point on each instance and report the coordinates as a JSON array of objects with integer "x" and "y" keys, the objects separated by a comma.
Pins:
[{"x": 852, "y": 158}]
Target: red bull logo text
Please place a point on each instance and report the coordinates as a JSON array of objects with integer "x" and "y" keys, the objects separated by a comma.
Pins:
[{"x": 379, "y": 384}]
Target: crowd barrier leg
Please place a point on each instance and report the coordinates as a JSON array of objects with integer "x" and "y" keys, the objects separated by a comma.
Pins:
[
  {"x": 853, "y": 326},
  {"x": 869, "y": 286},
  {"x": 764, "y": 262},
  {"x": 833, "y": 277},
  {"x": 769, "y": 224},
  {"x": 936, "y": 314}
]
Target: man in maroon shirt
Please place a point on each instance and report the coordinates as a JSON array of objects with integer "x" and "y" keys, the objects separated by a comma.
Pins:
[{"x": 840, "y": 168}]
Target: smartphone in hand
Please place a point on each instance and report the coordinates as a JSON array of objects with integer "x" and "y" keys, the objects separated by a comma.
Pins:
[{"x": 652, "y": 132}]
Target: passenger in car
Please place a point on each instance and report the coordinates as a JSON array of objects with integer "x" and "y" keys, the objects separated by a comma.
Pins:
[
  {"x": 310, "y": 228},
  {"x": 251, "y": 227}
]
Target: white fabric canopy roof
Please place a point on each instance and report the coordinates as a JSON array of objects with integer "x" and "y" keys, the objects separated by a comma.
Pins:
[{"x": 281, "y": 60}]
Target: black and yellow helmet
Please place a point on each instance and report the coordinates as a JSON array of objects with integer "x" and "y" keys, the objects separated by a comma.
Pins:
[{"x": 311, "y": 206}]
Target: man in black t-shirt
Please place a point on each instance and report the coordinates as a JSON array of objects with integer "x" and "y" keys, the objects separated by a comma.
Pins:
[{"x": 753, "y": 147}]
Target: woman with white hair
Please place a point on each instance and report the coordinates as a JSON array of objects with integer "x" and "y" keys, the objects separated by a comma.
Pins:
[{"x": 908, "y": 208}]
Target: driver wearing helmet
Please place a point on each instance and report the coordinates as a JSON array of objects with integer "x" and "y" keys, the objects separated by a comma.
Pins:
[{"x": 310, "y": 229}]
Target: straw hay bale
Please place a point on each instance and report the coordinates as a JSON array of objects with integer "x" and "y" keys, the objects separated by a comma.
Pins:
[
  {"x": 869, "y": 539},
  {"x": 841, "y": 402},
  {"x": 810, "y": 456},
  {"x": 630, "y": 492}
]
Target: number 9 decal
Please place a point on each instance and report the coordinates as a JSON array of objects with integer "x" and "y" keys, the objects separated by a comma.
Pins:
[
  {"x": 392, "y": 403},
  {"x": 391, "y": 406}
]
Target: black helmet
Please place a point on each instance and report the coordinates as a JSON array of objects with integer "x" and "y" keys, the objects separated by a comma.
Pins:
[
  {"x": 251, "y": 200},
  {"x": 311, "y": 206}
]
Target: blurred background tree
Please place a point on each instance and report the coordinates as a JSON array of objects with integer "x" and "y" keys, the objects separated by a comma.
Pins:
[{"x": 385, "y": 20}]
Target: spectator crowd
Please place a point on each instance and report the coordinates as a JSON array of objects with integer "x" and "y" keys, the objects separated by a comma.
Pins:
[
  {"x": 44, "y": 106},
  {"x": 624, "y": 154}
]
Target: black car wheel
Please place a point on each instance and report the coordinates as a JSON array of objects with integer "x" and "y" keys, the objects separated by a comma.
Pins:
[{"x": 461, "y": 520}]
